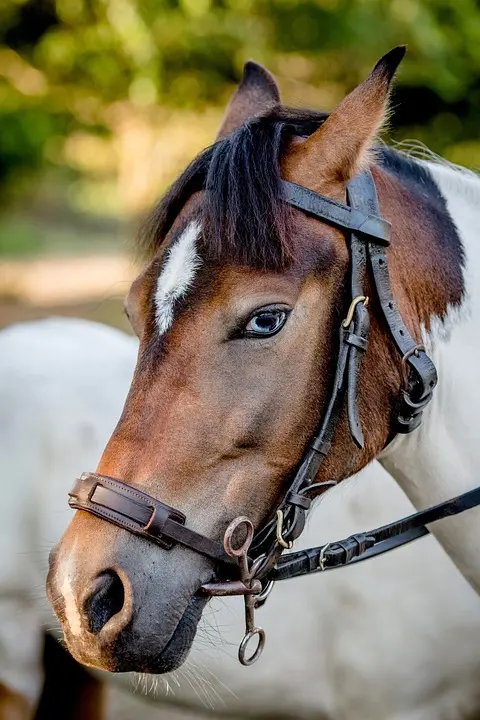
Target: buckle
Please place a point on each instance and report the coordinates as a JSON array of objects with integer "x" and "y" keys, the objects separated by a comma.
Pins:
[
  {"x": 286, "y": 544},
  {"x": 408, "y": 413},
  {"x": 359, "y": 299}
]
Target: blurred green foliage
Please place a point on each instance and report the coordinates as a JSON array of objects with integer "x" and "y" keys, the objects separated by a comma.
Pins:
[
  {"x": 20, "y": 234},
  {"x": 66, "y": 66}
]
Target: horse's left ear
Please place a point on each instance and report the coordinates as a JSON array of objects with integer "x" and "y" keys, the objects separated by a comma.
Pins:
[
  {"x": 257, "y": 93},
  {"x": 340, "y": 147}
]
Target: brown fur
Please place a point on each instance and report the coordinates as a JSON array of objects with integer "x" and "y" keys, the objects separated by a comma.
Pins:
[
  {"x": 256, "y": 94},
  {"x": 340, "y": 148}
]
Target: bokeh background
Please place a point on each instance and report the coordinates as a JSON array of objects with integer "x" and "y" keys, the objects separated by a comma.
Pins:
[{"x": 103, "y": 102}]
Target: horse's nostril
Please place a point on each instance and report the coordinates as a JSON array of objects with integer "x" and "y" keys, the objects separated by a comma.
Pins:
[{"x": 105, "y": 601}]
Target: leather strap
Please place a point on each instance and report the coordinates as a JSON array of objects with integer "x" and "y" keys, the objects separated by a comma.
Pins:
[
  {"x": 359, "y": 195},
  {"x": 353, "y": 342},
  {"x": 336, "y": 213},
  {"x": 371, "y": 229},
  {"x": 418, "y": 390},
  {"x": 141, "y": 514},
  {"x": 294, "y": 514},
  {"x": 425, "y": 374},
  {"x": 362, "y": 546}
]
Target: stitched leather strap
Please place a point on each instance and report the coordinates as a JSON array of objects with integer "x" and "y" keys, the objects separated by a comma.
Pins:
[
  {"x": 294, "y": 514},
  {"x": 141, "y": 514},
  {"x": 359, "y": 195},
  {"x": 370, "y": 544},
  {"x": 336, "y": 213}
]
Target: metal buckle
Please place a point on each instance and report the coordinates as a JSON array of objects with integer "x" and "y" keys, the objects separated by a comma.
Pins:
[
  {"x": 360, "y": 298},
  {"x": 415, "y": 350},
  {"x": 322, "y": 559},
  {"x": 287, "y": 544}
]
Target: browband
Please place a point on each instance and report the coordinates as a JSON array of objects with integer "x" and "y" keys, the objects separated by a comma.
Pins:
[{"x": 343, "y": 216}]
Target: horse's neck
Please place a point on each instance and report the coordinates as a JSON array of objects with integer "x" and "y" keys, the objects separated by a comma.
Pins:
[{"x": 442, "y": 458}]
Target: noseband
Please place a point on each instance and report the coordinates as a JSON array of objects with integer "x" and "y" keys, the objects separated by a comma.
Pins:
[{"x": 252, "y": 567}]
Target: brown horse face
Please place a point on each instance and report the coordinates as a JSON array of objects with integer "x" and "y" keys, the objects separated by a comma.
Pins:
[
  {"x": 224, "y": 398},
  {"x": 233, "y": 371}
]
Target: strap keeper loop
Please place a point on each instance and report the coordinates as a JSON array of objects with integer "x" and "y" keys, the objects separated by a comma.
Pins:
[
  {"x": 301, "y": 501},
  {"x": 356, "y": 340}
]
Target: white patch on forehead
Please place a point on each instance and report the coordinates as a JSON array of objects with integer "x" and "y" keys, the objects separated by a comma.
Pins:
[{"x": 177, "y": 275}]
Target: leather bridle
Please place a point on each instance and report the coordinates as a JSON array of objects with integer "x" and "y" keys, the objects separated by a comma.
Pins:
[{"x": 258, "y": 560}]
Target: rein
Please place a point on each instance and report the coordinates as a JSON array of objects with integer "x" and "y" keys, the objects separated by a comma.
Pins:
[{"x": 258, "y": 561}]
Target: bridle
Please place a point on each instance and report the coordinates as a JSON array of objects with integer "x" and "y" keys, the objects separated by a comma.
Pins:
[{"x": 258, "y": 562}]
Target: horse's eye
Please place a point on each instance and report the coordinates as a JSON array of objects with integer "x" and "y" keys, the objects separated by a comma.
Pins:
[{"x": 265, "y": 323}]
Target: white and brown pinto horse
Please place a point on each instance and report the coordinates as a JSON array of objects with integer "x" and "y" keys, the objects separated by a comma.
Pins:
[{"x": 237, "y": 313}]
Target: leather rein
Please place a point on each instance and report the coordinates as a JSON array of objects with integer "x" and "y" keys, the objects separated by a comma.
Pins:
[{"x": 252, "y": 567}]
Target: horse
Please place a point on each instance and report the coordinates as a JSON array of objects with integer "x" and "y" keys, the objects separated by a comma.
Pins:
[
  {"x": 354, "y": 644},
  {"x": 252, "y": 313}
]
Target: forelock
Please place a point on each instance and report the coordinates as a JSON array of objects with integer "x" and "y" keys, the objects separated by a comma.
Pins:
[{"x": 244, "y": 218}]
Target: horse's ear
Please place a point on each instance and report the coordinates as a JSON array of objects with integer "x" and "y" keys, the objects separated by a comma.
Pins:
[
  {"x": 256, "y": 93},
  {"x": 340, "y": 147}
]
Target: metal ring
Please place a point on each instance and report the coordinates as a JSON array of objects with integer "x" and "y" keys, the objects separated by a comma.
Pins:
[
  {"x": 287, "y": 545},
  {"x": 258, "y": 650},
  {"x": 415, "y": 350},
  {"x": 227, "y": 540},
  {"x": 351, "y": 309},
  {"x": 321, "y": 559}
]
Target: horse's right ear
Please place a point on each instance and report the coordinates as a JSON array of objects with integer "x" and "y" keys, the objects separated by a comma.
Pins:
[{"x": 256, "y": 93}]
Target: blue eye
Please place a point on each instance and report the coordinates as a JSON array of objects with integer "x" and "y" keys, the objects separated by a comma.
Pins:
[{"x": 265, "y": 323}]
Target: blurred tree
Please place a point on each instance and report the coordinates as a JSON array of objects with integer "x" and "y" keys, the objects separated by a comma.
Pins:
[{"x": 75, "y": 73}]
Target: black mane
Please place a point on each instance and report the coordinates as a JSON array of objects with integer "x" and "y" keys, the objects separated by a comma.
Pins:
[{"x": 244, "y": 219}]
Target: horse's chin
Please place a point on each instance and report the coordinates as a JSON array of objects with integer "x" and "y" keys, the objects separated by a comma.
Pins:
[
  {"x": 175, "y": 652},
  {"x": 129, "y": 653}
]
